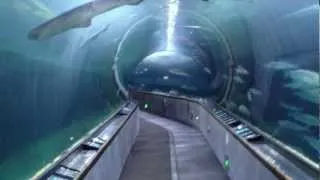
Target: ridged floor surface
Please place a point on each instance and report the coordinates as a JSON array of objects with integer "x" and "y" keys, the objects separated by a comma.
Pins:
[{"x": 166, "y": 150}]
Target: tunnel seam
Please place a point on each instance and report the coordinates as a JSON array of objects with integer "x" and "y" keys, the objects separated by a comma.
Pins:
[{"x": 173, "y": 158}]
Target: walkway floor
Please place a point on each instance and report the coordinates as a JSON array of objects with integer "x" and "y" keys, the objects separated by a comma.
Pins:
[{"x": 168, "y": 150}]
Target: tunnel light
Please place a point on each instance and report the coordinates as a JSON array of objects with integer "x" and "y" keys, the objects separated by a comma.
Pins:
[
  {"x": 173, "y": 7},
  {"x": 226, "y": 164}
]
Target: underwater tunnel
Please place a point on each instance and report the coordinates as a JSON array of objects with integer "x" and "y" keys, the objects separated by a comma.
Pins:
[{"x": 67, "y": 66}]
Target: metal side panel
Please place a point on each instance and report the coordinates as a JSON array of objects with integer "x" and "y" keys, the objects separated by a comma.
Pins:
[
  {"x": 243, "y": 165},
  {"x": 183, "y": 110},
  {"x": 177, "y": 110},
  {"x": 170, "y": 110},
  {"x": 226, "y": 147},
  {"x": 254, "y": 156},
  {"x": 110, "y": 164},
  {"x": 250, "y": 167},
  {"x": 156, "y": 105},
  {"x": 214, "y": 134}
]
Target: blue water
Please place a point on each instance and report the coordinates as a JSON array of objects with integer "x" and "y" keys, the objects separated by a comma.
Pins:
[{"x": 53, "y": 91}]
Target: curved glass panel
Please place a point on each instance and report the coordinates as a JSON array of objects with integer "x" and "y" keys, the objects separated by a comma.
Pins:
[
  {"x": 188, "y": 55},
  {"x": 260, "y": 59},
  {"x": 52, "y": 91},
  {"x": 277, "y": 87}
]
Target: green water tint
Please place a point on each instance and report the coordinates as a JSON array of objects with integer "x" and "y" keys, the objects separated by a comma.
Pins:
[
  {"x": 31, "y": 158},
  {"x": 41, "y": 81}
]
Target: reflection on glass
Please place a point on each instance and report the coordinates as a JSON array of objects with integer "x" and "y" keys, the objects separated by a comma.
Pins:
[
  {"x": 279, "y": 89},
  {"x": 53, "y": 91}
]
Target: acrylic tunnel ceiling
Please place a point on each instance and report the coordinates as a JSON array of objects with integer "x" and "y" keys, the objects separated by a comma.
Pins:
[
  {"x": 63, "y": 64},
  {"x": 189, "y": 47},
  {"x": 177, "y": 46},
  {"x": 249, "y": 55}
]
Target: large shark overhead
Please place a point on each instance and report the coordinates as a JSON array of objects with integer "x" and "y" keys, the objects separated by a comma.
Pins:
[{"x": 78, "y": 17}]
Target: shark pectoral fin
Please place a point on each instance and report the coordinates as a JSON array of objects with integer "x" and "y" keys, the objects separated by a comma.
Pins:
[{"x": 85, "y": 23}]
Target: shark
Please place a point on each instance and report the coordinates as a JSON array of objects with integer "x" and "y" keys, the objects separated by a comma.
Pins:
[
  {"x": 290, "y": 107},
  {"x": 238, "y": 80},
  {"x": 305, "y": 84},
  {"x": 253, "y": 92},
  {"x": 244, "y": 110},
  {"x": 306, "y": 119},
  {"x": 179, "y": 72},
  {"x": 79, "y": 17},
  {"x": 241, "y": 70},
  {"x": 280, "y": 66},
  {"x": 207, "y": 70},
  {"x": 188, "y": 87}
]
